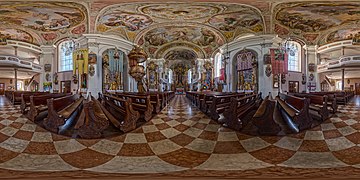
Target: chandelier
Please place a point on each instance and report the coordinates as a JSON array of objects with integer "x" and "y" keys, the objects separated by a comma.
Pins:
[
  {"x": 287, "y": 46},
  {"x": 69, "y": 46}
]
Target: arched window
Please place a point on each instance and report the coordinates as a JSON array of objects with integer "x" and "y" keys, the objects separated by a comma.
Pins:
[
  {"x": 20, "y": 86},
  {"x": 170, "y": 76},
  {"x": 217, "y": 65},
  {"x": 294, "y": 56},
  {"x": 65, "y": 55},
  {"x": 189, "y": 76}
]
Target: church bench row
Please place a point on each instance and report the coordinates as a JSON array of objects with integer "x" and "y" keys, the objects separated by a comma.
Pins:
[
  {"x": 15, "y": 97},
  {"x": 342, "y": 97},
  {"x": 154, "y": 99},
  {"x": 207, "y": 102},
  {"x": 332, "y": 99},
  {"x": 220, "y": 103},
  {"x": 38, "y": 104},
  {"x": 140, "y": 102},
  {"x": 61, "y": 110},
  {"x": 25, "y": 99},
  {"x": 92, "y": 120},
  {"x": 119, "y": 111},
  {"x": 200, "y": 98},
  {"x": 264, "y": 119},
  {"x": 295, "y": 111},
  {"x": 318, "y": 104},
  {"x": 157, "y": 99},
  {"x": 231, "y": 105},
  {"x": 239, "y": 108},
  {"x": 8, "y": 95}
]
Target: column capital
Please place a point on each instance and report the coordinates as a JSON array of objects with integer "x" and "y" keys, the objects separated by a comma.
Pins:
[
  {"x": 48, "y": 49},
  {"x": 310, "y": 47}
]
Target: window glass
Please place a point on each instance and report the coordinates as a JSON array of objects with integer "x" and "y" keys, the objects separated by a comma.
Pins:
[
  {"x": 65, "y": 56},
  {"x": 294, "y": 56}
]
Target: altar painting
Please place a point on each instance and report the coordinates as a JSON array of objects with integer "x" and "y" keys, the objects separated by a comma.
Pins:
[
  {"x": 113, "y": 70},
  {"x": 246, "y": 70}
]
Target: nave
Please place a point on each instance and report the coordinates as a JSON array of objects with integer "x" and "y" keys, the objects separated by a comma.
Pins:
[{"x": 181, "y": 141}]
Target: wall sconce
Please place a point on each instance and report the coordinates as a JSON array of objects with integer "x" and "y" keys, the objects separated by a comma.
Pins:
[{"x": 303, "y": 79}]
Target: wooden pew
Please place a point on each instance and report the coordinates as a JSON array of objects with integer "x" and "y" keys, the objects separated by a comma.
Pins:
[
  {"x": 209, "y": 103},
  {"x": 332, "y": 99},
  {"x": 141, "y": 103},
  {"x": 92, "y": 121},
  {"x": 61, "y": 110},
  {"x": 25, "y": 100},
  {"x": 154, "y": 99},
  {"x": 120, "y": 112},
  {"x": 38, "y": 104},
  {"x": 239, "y": 108},
  {"x": 295, "y": 111},
  {"x": 16, "y": 96},
  {"x": 318, "y": 104},
  {"x": 264, "y": 120},
  {"x": 8, "y": 95}
]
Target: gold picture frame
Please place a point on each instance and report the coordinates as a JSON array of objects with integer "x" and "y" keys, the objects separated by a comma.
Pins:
[{"x": 275, "y": 81}]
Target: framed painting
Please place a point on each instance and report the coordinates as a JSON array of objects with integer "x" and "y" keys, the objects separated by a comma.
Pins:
[{"x": 275, "y": 81}]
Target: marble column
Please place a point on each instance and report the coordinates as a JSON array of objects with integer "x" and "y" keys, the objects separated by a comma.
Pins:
[
  {"x": 47, "y": 57},
  {"x": 310, "y": 53},
  {"x": 342, "y": 79},
  {"x": 15, "y": 79},
  {"x": 316, "y": 74},
  {"x": 15, "y": 50},
  {"x": 94, "y": 83}
]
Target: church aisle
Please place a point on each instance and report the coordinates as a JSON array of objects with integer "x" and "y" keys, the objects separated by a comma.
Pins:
[{"x": 181, "y": 141}]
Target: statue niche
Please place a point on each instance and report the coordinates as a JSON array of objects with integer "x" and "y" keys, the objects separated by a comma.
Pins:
[{"x": 113, "y": 69}]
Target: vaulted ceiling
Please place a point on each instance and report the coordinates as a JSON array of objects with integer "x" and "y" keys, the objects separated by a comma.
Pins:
[{"x": 199, "y": 26}]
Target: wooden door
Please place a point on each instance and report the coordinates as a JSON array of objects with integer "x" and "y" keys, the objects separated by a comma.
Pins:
[
  {"x": 357, "y": 88},
  {"x": 65, "y": 86},
  {"x": 2, "y": 88}
]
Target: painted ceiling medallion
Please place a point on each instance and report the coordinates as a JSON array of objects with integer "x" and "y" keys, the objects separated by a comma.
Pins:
[
  {"x": 196, "y": 35},
  {"x": 315, "y": 17},
  {"x": 41, "y": 16},
  {"x": 130, "y": 21},
  {"x": 181, "y": 54},
  {"x": 247, "y": 18},
  {"x": 342, "y": 34},
  {"x": 177, "y": 11},
  {"x": 17, "y": 34}
]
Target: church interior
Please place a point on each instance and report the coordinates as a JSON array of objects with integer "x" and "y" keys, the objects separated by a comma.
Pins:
[{"x": 180, "y": 89}]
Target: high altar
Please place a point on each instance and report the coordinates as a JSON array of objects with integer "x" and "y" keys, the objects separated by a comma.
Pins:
[
  {"x": 113, "y": 62},
  {"x": 180, "y": 85}
]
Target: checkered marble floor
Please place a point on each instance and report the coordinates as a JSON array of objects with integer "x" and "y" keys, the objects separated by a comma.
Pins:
[{"x": 182, "y": 141}]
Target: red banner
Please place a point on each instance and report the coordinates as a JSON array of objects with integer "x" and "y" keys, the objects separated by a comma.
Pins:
[
  {"x": 279, "y": 61},
  {"x": 222, "y": 74}
]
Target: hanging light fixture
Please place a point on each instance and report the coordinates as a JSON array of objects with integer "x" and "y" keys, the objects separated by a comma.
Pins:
[
  {"x": 69, "y": 46},
  {"x": 116, "y": 54}
]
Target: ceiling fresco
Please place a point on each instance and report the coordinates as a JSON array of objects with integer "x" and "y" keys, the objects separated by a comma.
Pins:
[
  {"x": 181, "y": 54},
  {"x": 202, "y": 37},
  {"x": 197, "y": 24},
  {"x": 49, "y": 20},
  {"x": 315, "y": 16},
  {"x": 153, "y": 25},
  {"x": 342, "y": 34},
  {"x": 311, "y": 20},
  {"x": 130, "y": 21},
  {"x": 181, "y": 11},
  {"x": 17, "y": 34}
]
